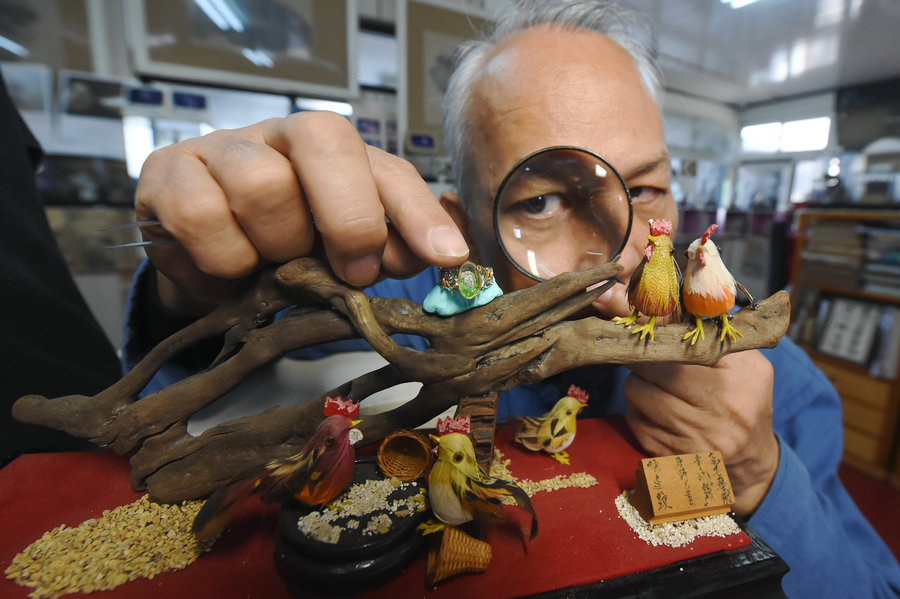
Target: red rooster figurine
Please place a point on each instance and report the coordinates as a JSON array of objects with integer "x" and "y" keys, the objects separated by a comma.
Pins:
[
  {"x": 653, "y": 288},
  {"x": 709, "y": 290},
  {"x": 315, "y": 475}
]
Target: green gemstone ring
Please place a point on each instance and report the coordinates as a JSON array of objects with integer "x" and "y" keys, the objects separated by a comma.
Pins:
[{"x": 468, "y": 278}]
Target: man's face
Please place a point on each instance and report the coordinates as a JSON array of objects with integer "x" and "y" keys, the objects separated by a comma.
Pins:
[{"x": 548, "y": 87}]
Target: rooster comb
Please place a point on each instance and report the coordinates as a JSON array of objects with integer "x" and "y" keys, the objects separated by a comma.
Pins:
[
  {"x": 578, "y": 393},
  {"x": 341, "y": 407},
  {"x": 660, "y": 226},
  {"x": 709, "y": 231},
  {"x": 460, "y": 424}
]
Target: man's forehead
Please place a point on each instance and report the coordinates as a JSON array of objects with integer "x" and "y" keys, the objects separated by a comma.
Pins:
[{"x": 554, "y": 86}]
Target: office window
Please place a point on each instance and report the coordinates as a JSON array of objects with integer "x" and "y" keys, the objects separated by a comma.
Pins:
[{"x": 805, "y": 135}]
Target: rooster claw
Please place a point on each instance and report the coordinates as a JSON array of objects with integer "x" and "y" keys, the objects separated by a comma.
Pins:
[
  {"x": 696, "y": 332},
  {"x": 562, "y": 457},
  {"x": 626, "y": 320},
  {"x": 431, "y": 526},
  {"x": 728, "y": 329}
]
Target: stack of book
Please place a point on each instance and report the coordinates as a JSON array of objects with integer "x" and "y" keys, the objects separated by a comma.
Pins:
[
  {"x": 881, "y": 269},
  {"x": 846, "y": 255},
  {"x": 833, "y": 255}
]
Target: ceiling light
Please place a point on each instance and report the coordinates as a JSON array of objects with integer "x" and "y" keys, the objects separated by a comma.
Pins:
[
  {"x": 260, "y": 58},
  {"x": 17, "y": 49},
  {"x": 342, "y": 108},
  {"x": 229, "y": 15},
  {"x": 738, "y": 3},
  {"x": 221, "y": 14}
]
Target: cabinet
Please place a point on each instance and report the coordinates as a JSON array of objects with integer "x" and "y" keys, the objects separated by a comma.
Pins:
[{"x": 845, "y": 297}]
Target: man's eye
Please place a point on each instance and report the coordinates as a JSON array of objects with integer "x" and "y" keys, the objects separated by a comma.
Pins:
[
  {"x": 543, "y": 205},
  {"x": 645, "y": 193}
]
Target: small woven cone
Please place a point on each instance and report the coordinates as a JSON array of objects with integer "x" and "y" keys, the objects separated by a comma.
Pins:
[
  {"x": 405, "y": 455},
  {"x": 457, "y": 553}
]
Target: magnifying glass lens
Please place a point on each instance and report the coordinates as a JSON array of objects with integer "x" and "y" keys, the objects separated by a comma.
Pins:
[{"x": 562, "y": 209}]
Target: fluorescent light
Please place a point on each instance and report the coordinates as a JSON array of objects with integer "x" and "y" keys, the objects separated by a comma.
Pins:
[
  {"x": 229, "y": 15},
  {"x": 17, "y": 49},
  {"x": 260, "y": 58},
  {"x": 214, "y": 15},
  {"x": 738, "y": 3},
  {"x": 342, "y": 108}
]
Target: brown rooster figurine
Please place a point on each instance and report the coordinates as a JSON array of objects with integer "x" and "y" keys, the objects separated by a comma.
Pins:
[
  {"x": 709, "y": 289},
  {"x": 654, "y": 285}
]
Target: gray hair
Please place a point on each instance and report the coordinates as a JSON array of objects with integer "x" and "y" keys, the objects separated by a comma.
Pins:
[{"x": 622, "y": 24}]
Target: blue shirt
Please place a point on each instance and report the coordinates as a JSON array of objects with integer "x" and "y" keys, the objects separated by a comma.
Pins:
[{"x": 807, "y": 517}]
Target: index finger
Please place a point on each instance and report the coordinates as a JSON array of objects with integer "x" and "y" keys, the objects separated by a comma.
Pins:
[{"x": 350, "y": 194}]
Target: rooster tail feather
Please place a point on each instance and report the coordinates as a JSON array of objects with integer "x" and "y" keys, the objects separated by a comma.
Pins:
[
  {"x": 524, "y": 502},
  {"x": 223, "y": 505},
  {"x": 505, "y": 487}
]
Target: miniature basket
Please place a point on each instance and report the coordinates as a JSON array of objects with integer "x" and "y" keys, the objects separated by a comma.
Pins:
[
  {"x": 405, "y": 455},
  {"x": 457, "y": 553}
]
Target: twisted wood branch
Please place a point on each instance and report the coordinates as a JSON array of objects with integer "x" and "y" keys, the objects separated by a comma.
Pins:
[{"x": 524, "y": 336}]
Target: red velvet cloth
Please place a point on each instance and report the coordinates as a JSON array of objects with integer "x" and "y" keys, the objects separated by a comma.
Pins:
[{"x": 581, "y": 539}]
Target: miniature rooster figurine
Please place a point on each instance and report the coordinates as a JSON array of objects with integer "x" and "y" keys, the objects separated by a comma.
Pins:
[
  {"x": 315, "y": 475},
  {"x": 554, "y": 431},
  {"x": 654, "y": 286},
  {"x": 709, "y": 289},
  {"x": 459, "y": 490}
]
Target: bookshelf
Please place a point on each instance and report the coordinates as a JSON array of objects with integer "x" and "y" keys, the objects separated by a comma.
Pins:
[{"x": 845, "y": 297}]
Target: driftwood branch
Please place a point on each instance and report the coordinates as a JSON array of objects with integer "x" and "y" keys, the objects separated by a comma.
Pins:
[{"x": 523, "y": 336}]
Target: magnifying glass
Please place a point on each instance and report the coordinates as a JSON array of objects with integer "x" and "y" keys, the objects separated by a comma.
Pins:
[{"x": 561, "y": 209}]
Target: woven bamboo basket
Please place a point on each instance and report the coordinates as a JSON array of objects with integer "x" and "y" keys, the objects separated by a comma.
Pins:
[
  {"x": 457, "y": 553},
  {"x": 405, "y": 455}
]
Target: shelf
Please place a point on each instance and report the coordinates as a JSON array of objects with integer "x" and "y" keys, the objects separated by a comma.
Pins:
[
  {"x": 871, "y": 405},
  {"x": 855, "y": 293}
]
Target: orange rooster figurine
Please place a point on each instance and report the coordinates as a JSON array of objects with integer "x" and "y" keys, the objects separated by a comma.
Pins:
[
  {"x": 709, "y": 289},
  {"x": 653, "y": 288}
]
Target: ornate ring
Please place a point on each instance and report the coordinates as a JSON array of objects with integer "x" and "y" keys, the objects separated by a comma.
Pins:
[{"x": 468, "y": 278}]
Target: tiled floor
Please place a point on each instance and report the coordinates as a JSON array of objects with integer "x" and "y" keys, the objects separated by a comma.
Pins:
[{"x": 879, "y": 501}]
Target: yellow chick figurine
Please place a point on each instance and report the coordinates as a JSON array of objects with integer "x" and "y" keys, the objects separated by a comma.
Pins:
[
  {"x": 459, "y": 490},
  {"x": 554, "y": 431}
]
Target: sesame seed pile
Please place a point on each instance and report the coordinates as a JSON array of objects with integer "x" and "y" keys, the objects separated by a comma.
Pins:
[
  {"x": 138, "y": 540},
  {"x": 674, "y": 534},
  {"x": 500, "y": 469},
  {"x": 357, "y": 503}
]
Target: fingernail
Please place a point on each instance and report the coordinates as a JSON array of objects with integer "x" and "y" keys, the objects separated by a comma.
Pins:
[
  {"x": 447, "y": 241},
  {"x": 362, "y": 271}
]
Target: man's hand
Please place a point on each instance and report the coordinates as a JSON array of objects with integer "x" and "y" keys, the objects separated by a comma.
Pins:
[
  {"x": 282, "y": 189},
  {"x": 675, "y": 409}
]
